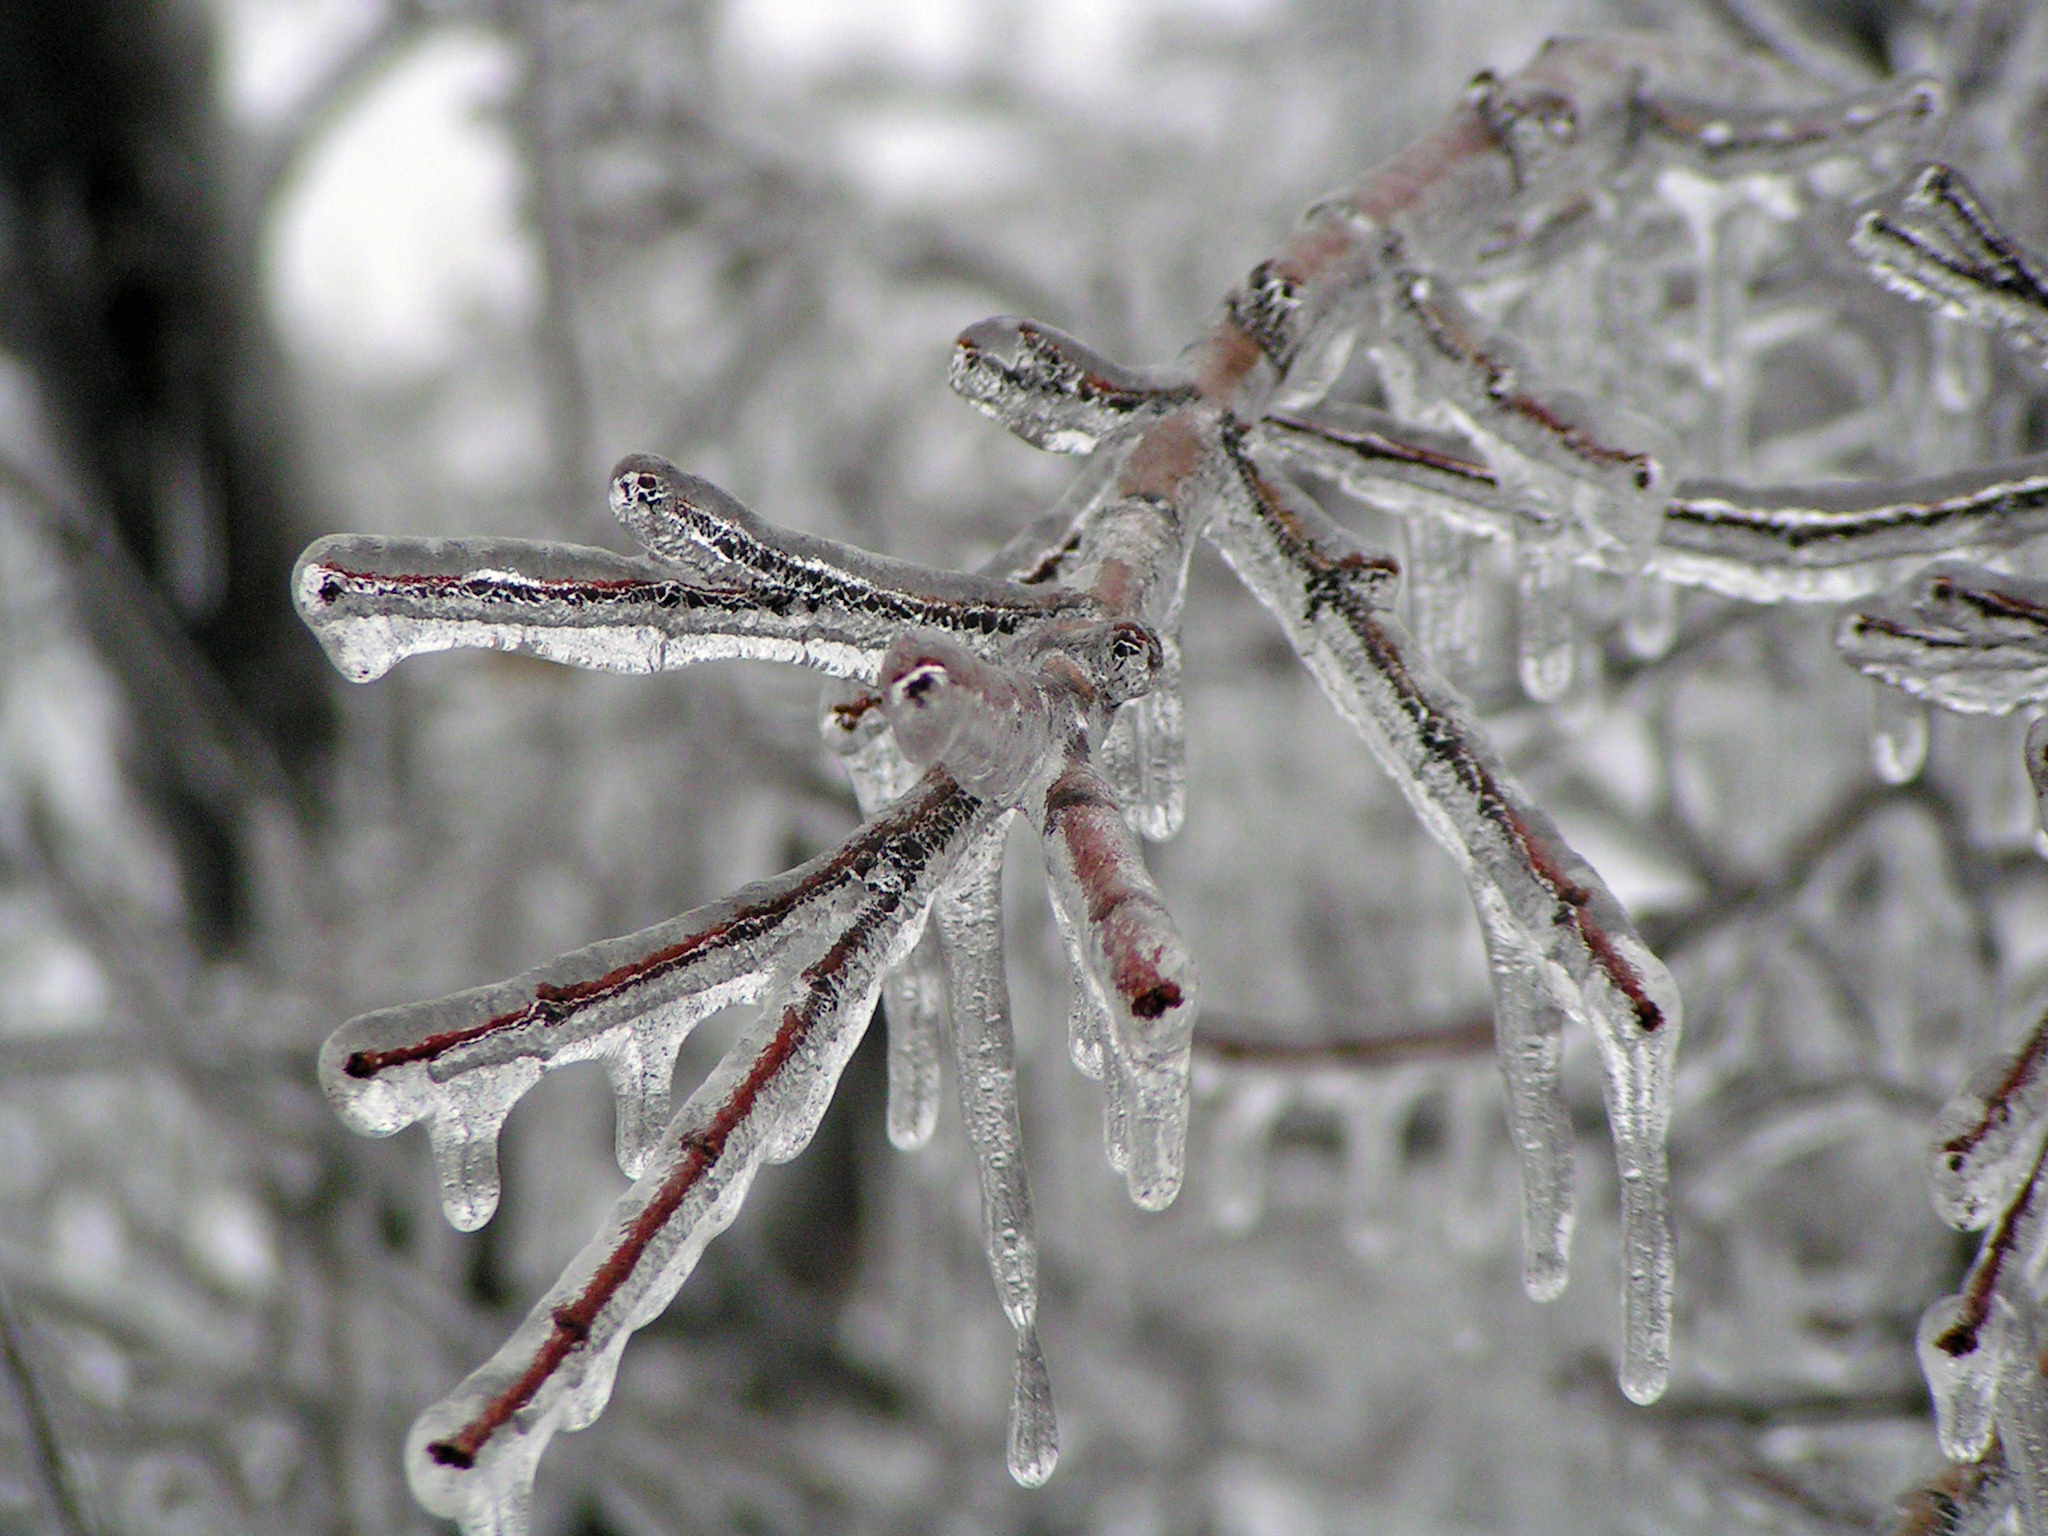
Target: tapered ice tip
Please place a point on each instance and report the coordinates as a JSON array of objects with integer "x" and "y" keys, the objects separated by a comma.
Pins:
[
  {"x": 1959, "y": 1357},
  {"x": 1034, "y": 1431},
  {"x": 1898, "y": 735},
  {"x": 1545, "y": 1273},
  {"x": 1644, "y": 1378}
]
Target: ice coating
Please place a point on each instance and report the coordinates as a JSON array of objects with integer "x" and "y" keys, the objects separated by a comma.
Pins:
[
  {"x": 1329, "y": 599},
  {"x": 1959, "y": 1358},
  {"x": 375, "y": 601},
  {"x": 1842, "y": 542},
  {"x": 1052, "y": 391},
  {"x": 1730, "y": 140},
  {"x": 1762, "y": 544},
  {"x": 1937, "y": 243},
  {"x": 1955, "y": 635},
  {"x": 990, "y": 726},
  {"x": 1988, "y": 1132},
  {"x": 823, "y": 585},
  {"x": 471, "y": 1456}
]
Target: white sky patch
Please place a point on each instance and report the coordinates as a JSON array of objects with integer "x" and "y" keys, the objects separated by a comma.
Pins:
[
  {"x": 938, "y": 39},
  {"x": 273, "y": 51},
  {"x": 402, "y": 235},
  {"x": 911, "y": 157}
]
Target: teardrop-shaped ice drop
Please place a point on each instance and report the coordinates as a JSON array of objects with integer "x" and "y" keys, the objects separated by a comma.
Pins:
[
  {"x": 1898, "y": 734},
  {"x": 1034, "y": 1431},
  {"x": 1649, "y": 620}
]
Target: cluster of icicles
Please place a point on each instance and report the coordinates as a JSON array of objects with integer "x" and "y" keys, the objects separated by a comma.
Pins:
[{"x": 1046, "y": 689}]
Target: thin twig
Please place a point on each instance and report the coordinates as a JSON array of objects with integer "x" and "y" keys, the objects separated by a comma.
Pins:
[{"x": 52, "y": 1477}]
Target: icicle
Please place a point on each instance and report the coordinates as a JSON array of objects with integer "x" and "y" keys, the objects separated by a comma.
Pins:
[
  {"x": 1529, "y": 1040},
  {"x": 970, "y": 922},
  {"x": 1547, "y": 627},
  {"x": 1961, "y": 1366},
  {"x": 1373, "y": 1117},
  {"x": 463, "y": 1137},
  {"x": 1242, "y": 1133},
  {"x": 1898, "y": 734},
  {"x": 1144, "y": 754},
  {"x": 1034, "y": 1432},
  {"x": 1649, "y": 622},
  {"x": 914, "y": 1004},
  {"x": 914, "y": 993},
  {"x": 1440, "y": 596},
  {"x": 1960, "y": 371},
  {"x": 642, "y": 1073},
  {"x": 1465, "y": 1207}
]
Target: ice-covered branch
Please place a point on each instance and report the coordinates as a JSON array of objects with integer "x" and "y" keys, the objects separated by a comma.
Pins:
[
  {"x": 1938, "y": 244},
  {"x": 1956, "y": 635},
  {"x": 1549, "y": 915},
  {"x": 472, "y": 1455}
]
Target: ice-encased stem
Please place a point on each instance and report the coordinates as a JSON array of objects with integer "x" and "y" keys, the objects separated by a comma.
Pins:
[
  {"x": 1529, "y": 1042},
  {"x": 1988, "y": 1133},
  {"x": 1970, "y": 1499},
  {"x": 1956, "y": 635},
  {"x": 1939, "y": 244},
  {"x": 1131, "y": 956},
  {"x": 1329, "y": 598}
]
